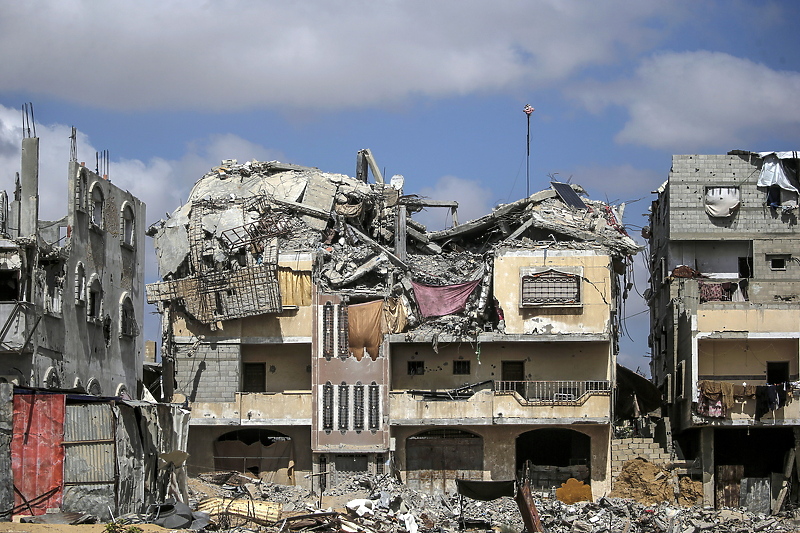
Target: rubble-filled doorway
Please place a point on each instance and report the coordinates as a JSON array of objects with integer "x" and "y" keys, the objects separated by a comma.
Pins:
[
  {"x": 553, "y": 455},
  {"x": 262, "y": 452},
  {"x": 436, "y": 458}
]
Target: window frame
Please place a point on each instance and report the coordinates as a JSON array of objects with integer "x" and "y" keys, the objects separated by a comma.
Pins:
[
  {"x": 462, "y": 367},
  {"x": 416, "y": 368},
  {"x": 96, "y": 215},
  {"x": 565, "y": 272},
  {"x": 127, "y": 226}
]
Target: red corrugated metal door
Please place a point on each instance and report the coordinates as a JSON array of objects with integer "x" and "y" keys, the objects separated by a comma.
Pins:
[{"x": 37, "y": 457}]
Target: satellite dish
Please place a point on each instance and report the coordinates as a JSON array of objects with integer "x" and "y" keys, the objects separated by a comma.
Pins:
[{"x": 397, "y": 182}]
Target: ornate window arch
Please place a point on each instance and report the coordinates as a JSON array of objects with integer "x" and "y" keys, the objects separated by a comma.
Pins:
[
  {"x": 97, "y": 203},
  {"x": 127, "y": 224}
]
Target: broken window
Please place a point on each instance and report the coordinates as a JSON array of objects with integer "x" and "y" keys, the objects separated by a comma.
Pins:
[
  {"x": 374, "y": 407},
  {"x": 550, "y": 287},
  {"x": 680, "y": 376},
  {"x": 777, "y": 372},
  {"x": 95, "y": 300},
  {"x": 327, "y": 406},
  {"x": 80, "y": 191},
  {"x": 127, "y": 318},
  {"x": 97, "y": 206},
  {"x": 254, "y": 377},
  {"x": 54, "y": 279},
  {"x": 722, "y": 202},
  {"x": 416, "y": 368},
  {"x": 80, "y": 285},
  {"x": 127, "y": 225},
  {"x": 9, "y": 285},
  {"x": 461, "y": 367}
]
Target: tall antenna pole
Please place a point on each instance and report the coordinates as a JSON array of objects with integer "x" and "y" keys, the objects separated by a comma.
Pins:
[{"x": 528, "y": 110}]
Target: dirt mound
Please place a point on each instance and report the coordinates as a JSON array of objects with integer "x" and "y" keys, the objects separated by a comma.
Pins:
[
  {"x": 644, "y": 482},
  {"x": 691, "y": 492}
]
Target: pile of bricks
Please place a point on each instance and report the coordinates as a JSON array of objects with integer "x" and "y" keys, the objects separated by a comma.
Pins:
[{"x": 623, "y": 450}]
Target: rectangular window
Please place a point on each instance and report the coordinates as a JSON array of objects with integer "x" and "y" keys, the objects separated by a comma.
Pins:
[
  {"x": 254, "y": 377},
  {"x": 374, "y": 407},
  {"x": 416, "y": 368},
  {"x": 550, "y": 287},
  {"x": 358, "y": 407},
  {"x": 461, "y": 368},
  {"x": 777, "y": 262},
  {"x": 680, "y": 377}
]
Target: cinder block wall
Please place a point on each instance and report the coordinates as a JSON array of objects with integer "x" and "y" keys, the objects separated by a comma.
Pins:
[
  {"x": 623, "y": 450},
  {"x": 209, "y": 373},
  {"x": 690, "y": 176}
]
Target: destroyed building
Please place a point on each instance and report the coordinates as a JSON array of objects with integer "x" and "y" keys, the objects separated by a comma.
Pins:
[
  {"x": 73, "y": 434},
  {"x": 725, "y": 315},
  {"x": 317, "y": 330},
  {"x": 72, "y": 290}
]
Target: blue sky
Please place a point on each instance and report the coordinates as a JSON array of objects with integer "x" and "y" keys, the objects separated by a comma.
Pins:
[{"x": 434, "y": 88}]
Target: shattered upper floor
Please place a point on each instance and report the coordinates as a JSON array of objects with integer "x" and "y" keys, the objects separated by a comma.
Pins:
[{"x": 219, "y": 253}]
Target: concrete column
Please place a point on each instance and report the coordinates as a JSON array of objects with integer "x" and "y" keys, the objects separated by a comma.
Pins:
[
  {"x": 707, "y": 461},
  {"x": 29, "y": 182},
  {"x": 6, "y": 427},
  {"x": 400, "y": 233}
]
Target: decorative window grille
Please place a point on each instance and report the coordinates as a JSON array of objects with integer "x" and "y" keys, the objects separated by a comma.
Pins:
[
  {"x": 327, "y": 406},
  {"x": 551, "y": 287},
  {"x": 358, "y": 406},
  {"x": 374, "y": 407},
  {"x": 343, "y": 338},
  {"x": 327, "y": 330},
  {"x": 344, "y": 407}
]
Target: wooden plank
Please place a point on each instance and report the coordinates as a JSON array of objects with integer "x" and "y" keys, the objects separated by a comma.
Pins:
[{"x": 728, "y": 485}]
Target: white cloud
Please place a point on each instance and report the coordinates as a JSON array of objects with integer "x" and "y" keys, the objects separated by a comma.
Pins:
[
  {"x": 695, "y": 100},
  {"x": 474, "y": 200},
  {"x": 314, "y": 55}
]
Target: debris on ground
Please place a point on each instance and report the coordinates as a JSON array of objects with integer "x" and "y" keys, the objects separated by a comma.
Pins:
[
  {"x": 381, "y": 504},
  {"x": 650, "y": 483}
]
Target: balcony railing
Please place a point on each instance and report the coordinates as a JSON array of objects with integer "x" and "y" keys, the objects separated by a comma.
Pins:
[{"x": 554, "y": 392}]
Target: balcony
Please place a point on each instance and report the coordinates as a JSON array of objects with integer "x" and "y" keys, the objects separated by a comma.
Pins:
[
  {"x": 553, "y": 392},
  {"x": 288, "y": 408},
  {"x": 506, "y": 402}
]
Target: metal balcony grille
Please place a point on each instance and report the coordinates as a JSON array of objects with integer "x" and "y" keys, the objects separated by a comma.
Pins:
[{"x": 554, "y": 392}]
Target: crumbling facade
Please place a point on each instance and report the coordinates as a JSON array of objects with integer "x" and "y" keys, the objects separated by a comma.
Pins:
[
  {"x": 71, "y": 304},
  {"x": 72, "y": 290},
  {"x": 725, "y": 317},
  {"x": 316, "y": 329}
]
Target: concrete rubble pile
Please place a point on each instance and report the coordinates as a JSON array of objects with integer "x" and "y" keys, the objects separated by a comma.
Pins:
[
  {"x": 218, "y": 253},
  {"x": 382, "y": 504}
]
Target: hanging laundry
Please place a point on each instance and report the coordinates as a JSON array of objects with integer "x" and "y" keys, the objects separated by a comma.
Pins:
[
  {"x": 444, "y": 300},
  {"x": 366, "y": 328}
]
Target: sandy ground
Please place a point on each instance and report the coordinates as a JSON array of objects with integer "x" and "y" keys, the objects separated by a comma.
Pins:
[{"x": 13, "y": 527}]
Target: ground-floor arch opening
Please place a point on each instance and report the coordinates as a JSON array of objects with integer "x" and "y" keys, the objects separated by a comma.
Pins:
[
  {"x": 553, "y": 455},
  {"x": 437, "y": 457},
  {"x": 264, "y": 453}
]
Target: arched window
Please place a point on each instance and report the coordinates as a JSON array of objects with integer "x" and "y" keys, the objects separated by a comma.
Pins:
[
  {"x": 97, "y": 206},
  {"x": 80, "y": 190},
  {"x": 127, "y": 318},
  {"x": 128, "y": 224},
  {"x": 80, "y": 285},
  {"x": 94, "y": 307}
]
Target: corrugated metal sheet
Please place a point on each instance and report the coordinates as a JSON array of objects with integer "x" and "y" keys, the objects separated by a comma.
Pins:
[
  {"x": 37, "y": 457},
  {"x": 89, "y": 463},
  {"x": 89, "y": 421},
  {"x": 89, "y": 443}
]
